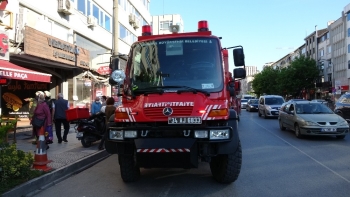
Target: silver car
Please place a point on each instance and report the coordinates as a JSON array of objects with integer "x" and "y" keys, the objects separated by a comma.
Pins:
[{"x": 311, "y": 118}]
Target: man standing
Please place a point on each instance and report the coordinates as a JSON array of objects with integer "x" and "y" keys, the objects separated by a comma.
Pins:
[
  {"x": 59, "y": 108},
  {"x": 96, "y": 106}
]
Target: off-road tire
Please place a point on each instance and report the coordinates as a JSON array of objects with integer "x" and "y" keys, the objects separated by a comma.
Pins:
[
  {"x": 281, "y": 125},
  {"x": 226, "y": 168},
  {"x": 129, "y": 170},
  {"x": 85, "y": 142}
]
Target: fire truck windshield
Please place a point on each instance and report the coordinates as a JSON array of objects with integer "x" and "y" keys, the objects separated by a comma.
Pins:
[{"x": 194, "y": 62}]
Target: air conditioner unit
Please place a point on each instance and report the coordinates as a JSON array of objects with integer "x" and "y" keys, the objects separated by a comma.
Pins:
[
  {"x": 91, "y": 21},
  {"x": 131, "y": 18},
  {"x": 137, "y": 24},
  {"x": 65, "y": 6}
]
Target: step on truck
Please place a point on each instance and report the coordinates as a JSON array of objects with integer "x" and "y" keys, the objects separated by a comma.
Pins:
[{"x": 175, "y": 105}]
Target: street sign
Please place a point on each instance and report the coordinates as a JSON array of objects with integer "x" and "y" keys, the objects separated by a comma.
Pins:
[{"x": 104, "y": 70}]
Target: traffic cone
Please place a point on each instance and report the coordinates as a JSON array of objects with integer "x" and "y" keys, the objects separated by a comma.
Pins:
[{"x": 40, "y": 157}]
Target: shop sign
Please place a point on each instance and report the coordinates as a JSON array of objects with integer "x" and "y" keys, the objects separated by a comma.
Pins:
[
  {"x": 104, "y": 70},
  {"x": 42, "y": 45},
  {"x": 4, "y": 48}
]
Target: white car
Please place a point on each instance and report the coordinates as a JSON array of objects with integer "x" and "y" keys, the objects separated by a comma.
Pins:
[{"x": 244, "y": 103}]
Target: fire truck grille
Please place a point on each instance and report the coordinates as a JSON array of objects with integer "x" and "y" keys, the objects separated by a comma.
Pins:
[{"x": 157, "y": 112}]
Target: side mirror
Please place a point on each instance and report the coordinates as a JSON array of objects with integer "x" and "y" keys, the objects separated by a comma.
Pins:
[
  {"x": 238, "y": 57},
  {"x": 239, "y": 73}
]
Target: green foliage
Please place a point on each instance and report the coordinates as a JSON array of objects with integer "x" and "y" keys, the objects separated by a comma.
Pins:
[
  {"x": 4, "y": 128},
  {"x": 301, "y": 73},
  {"x": 14, "y": 164}
]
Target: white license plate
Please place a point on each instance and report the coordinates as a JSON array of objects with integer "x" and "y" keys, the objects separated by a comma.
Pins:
[
  {"x": 329, "y": 129},
  {"x": 185, "y": 120},
  {"x": 80, "y": 134}
]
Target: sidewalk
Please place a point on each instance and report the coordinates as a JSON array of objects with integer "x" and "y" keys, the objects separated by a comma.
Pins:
[{"x": 67, "y": 159}]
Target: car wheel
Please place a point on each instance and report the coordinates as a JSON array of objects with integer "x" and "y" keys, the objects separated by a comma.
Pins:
[
  {"x": 265, "y": 116},
  {"x": 297, "y": 131},
  {"x": 340, "y": 136},
  {"x": 281, "y": 125},
  {"x": 259, "y": 113}
]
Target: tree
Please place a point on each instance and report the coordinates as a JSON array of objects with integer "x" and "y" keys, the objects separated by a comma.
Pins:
[{"x": 301, "y": 74}]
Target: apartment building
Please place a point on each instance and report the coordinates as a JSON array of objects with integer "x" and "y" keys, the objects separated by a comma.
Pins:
[
  {"x": 65, "y": 46},
  {"x": 161, "y": 23}
]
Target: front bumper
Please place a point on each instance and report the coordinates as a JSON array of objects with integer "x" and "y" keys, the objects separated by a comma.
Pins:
[
  {"x": 272, "y": 113},
  {"x": 312, "y": 130}
]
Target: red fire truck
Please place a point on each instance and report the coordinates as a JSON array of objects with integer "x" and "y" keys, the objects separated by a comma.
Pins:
[{"x": 175, "y": 108}]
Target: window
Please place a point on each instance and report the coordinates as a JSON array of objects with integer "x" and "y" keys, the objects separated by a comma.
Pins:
[
  {"x": 322, "y": 53},
  {"x": 107, "y": 23},
  {"x": 101, "y": 19},
  {"x": 164, "y": 25},
  {"x": 329, "y": 49},
  {"x": 348, "y": 48},
  {"x": 96, "y": 12},
  {"x": 349, "y": 64},
  {"x": 348, "y": 32},
  {"x": 81, "y": 6},
  {"x": 348, "y": 16},
  {"x": 89, "y": 8}
]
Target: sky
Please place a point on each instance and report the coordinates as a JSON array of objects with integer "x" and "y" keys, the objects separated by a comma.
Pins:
[{"x": 267, "y": 29}]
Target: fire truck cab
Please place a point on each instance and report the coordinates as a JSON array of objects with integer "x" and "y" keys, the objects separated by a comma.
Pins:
[{"x": 175, "y": 109}]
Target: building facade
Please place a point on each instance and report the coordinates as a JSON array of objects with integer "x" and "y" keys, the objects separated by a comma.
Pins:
[
  {"x": 161, "y": 24},
  {"x": 70, "y": 41}
]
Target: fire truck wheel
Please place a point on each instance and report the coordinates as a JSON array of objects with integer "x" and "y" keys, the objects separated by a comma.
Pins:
[
  {"x": 226, "y": 168},
  {"x": 85, "y": 142},
  {"x": 129, "y": 170}
]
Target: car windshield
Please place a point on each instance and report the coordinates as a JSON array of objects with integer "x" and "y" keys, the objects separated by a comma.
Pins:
[
  {"x": 254, "y": 101},
  {"x": 192, "y": 62},
  {"x": 244, "y": 100},
  {"x": 312, "y": 108},
  {"x": 274, "y": 101}
]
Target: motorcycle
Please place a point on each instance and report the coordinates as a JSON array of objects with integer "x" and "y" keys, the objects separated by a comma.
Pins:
[{"x": 91, "y": 130}]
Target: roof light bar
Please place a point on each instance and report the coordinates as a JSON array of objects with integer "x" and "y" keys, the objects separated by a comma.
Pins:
[
  {"x": 146, "y": 30},
  {"x": 203, "y": 26}
]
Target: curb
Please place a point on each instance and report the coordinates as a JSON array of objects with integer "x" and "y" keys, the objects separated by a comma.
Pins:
[{"x": 35, "y": 186}]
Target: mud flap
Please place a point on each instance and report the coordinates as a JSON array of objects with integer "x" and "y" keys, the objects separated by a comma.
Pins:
[{"x": 167, "y": 153}]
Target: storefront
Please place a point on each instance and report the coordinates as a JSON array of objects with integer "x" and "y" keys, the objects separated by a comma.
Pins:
[
  {"x": 63, "y": 60},
  {"x": 21, "y": 83}
]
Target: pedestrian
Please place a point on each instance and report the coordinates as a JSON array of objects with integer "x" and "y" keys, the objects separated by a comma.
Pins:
[
  {"x": 48, "y": 131},
  {"x": 41, "y": 113},
  {"x": 59, "y": 108},
  {"x": 109, "y": 110},
  {"x": 103, "y": 100},
  {"x": 96, "y": 106},
  {"x": 32, "y": 105}
]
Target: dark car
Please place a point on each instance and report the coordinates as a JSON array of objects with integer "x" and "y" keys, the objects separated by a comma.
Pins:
[
  {"x": 252, "y": 105},
  {"x": 342, "y": 106}
]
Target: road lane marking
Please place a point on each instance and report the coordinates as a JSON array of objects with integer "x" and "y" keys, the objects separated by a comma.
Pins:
[{"x": 315, "y": 160}]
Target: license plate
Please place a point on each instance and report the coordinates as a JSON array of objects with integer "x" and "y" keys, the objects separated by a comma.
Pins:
[
  {"x": 80, "y": 134},
  {"x": 329, "y": 129},
  {"x": 185, "y": 120}
]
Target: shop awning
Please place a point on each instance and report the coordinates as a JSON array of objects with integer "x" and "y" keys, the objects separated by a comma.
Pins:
[{"x": 12, "y": 71}]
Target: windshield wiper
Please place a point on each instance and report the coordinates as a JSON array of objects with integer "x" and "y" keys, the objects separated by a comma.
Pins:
[
  {"x": 150, "y": 90},
  {"x": 194, "y": 90}
]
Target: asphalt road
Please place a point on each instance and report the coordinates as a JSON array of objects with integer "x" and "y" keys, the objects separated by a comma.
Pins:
[{"x": 275, "y": 163}]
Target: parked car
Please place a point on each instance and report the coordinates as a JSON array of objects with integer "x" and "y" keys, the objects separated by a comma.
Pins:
[
  {"x": 244, "y": 103},
  {"x": 342, "y": 106},
  {"x": 269, "y": 105},
  {"x": 311, "y": 118},
  {"x": 320, "y": 101},
  {"x": 252, "y": 105}
]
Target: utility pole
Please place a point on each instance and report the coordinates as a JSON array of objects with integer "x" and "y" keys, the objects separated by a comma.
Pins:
[{"x": 115, "y": 31}]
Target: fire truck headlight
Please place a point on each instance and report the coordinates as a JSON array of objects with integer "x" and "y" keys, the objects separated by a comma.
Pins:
[
  {"x": 201, "y": 134},
  {"x": 116, "y": 135},
  {"x": 219, "y": 134},
  {"x": 130, "y": 134}
]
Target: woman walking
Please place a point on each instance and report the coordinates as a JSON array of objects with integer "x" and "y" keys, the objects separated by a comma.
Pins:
[{"x": 41, "y": 113}]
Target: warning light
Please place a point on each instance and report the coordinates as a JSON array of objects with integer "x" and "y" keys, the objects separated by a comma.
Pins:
[
  {"x": 203, "y": 26},
  {"x": 146, "y": 30},
  {"x": 3, "y": 81}
]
